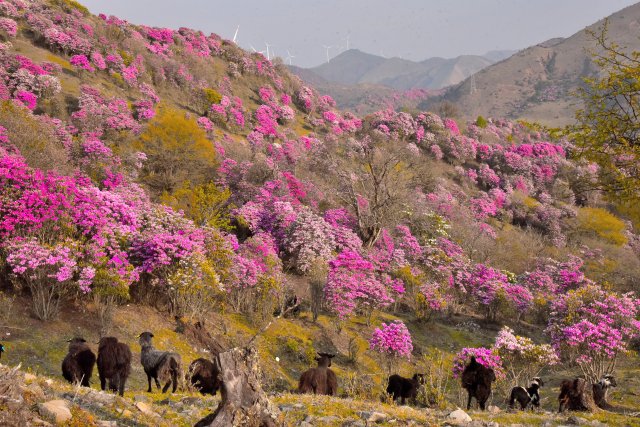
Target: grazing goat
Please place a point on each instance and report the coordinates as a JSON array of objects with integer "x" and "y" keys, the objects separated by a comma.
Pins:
[
  {"x": 477, "y": 379},
  {"x": 114, "y": 364},
  {"x": 320, "y": 380},
  {"x": 524, "y": 396},
  {"x": 404, "y": 388},
  {"x": 1, "y": 350},
  {"x": 77, "y": 365},
  {"x": 205, "y": 376},
  {"x": 159, "y": 365}
]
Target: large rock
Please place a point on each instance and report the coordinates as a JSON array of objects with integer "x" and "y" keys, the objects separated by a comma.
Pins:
[
  {"x": 460, "y": 416},
  {"x": 56, "y": 410}
]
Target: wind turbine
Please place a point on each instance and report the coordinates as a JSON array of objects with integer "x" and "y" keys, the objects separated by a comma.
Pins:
[
  {"x": 235, "y": 36},
  {"x": 268, "y": 52},
  {"x": 289, "y": 57},
  {"x": 256, "y": 51},
  {"x": 347, "y": 40},
  {"x": 327, "y": 51}
]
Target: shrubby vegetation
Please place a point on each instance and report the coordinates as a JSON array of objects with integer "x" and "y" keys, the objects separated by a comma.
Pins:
[{"x": 119, "y": 198}]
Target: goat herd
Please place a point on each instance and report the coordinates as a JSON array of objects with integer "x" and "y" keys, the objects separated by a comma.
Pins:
[{"x": 114, "y": 367}]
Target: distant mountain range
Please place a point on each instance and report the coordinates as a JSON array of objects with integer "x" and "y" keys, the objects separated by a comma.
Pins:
[
  {"x": 354, "y": 67},
  {"x": 538, "y": 83}
]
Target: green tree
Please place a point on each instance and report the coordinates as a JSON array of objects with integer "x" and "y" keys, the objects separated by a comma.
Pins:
[
  {"x": 206, "y": 204},
  {"x": 177, "y": 151},
  {"x": 607, "y": 131}
]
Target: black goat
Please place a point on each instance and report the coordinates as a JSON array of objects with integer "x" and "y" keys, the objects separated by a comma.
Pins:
[
  {"x": 77, "y": 365},
  {"x": 524, "y": 396},
  {"x": 159, "y": 365},
  {"x": 477, "y": 379},
  {"x": 114, "y": 364},
  {"x": 320, "y": 380},
  {"x": 1, "y": 350},
  {"x": 205, "y": 376},
  {"x": 404, "y": 388}
]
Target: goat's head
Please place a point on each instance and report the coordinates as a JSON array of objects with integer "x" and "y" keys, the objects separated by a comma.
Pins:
[
  {"x": 419, "y": 378},
  {"x": 75, "y": 342},
  {"x": 537, "y": 380},
  {"x": 608, "y": 381},
  {"x": 145, "y": 338},
  {"x": 324, "y": 359}
]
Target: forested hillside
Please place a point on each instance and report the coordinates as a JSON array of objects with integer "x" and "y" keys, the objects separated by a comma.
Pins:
[{"x": 152, "y": 178}]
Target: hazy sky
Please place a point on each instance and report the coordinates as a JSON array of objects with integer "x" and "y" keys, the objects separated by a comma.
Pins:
[{"x": 411, "y": 29}]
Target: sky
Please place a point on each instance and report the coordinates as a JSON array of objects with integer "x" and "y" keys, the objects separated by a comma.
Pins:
[{"x": 409, "y": 29}]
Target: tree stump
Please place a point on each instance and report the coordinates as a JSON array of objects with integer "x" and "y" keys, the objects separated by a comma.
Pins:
[{"x": 243, "y": 403}]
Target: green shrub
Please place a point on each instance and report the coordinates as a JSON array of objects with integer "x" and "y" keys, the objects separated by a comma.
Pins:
[
  {"x": 481, "y": 122},
  {"x": 603, "y": 224}
]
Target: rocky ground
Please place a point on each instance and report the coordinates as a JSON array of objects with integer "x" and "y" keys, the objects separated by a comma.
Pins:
[{"x": 34, "y": 400}]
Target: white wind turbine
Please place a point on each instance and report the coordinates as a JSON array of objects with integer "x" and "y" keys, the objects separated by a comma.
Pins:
[
  {"x": 347, "y": 40},
  {"x": 235, "y": 36},
  {"x": 268, "y": 51},
  {"x": 289, "y": 57},
  {"x": 256, "y": 51},
  {"x": 327, "y": 51}
]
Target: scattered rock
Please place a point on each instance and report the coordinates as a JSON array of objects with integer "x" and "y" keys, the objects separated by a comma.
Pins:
[
  {"x": 57, "y": 410},
  {"x": 597, "y": 423},
  {"x": 140, "y": 398},
  {"x": 305, "y": 424},
  {"x": 329, "y": 419},
  {"x": 286, "y": 408},
  {"x": 41, "y": 423},
  {"x": 105, "y": 423},
  {"x": 354, "y": 423},
  {"x": 102, "y": 397},
  {"x": 493, "y": 424},
  {"x": 475, "y": 423},
  {"x": 460, "y": 416},
  {"x": 493, "y": 409},
  {"x": 192, "y": 400},
  {"x": 29, "y": 377},
  {"x": 577, "y": 421},
  {"x": 145, "y": 408},
  {"x": 298, "y": 405},
  {"x": 516, "y": 425}
]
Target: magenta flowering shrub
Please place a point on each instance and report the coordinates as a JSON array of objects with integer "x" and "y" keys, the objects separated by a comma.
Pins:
[
  {"x": 27, "y": 99},
  {"x": 592, "y": 327},
  {"x": 309, "y": 238},
  {"x": 392, "y": 340},
  {"x": 522, "y": 359},
  {"x": 353, "y": 286},
  {"x": 484, "y": 356},
  {"x": 9, "y": 26},
  {"x": 81, "y": 62}
]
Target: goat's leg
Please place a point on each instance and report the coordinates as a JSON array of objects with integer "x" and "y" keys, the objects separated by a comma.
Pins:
[
  {"x": 469, "y": 400},
  {"x": 157, "y": 382},
  {"x": 174, "y": 380},
  {"x": 149, "y": 380},
  {"x": 166, "y": 386},
  {"x": 121, "y": 381},
  {"x": 103, "y": 383}
]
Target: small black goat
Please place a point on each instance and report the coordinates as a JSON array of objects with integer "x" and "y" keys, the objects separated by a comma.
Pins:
[
  {"x": 404, "y": 388},
  {"x": 320, "y": 380},
  {"x": 159, "y": 365},
  {"x": 77, "y": 365},
  {"x": 1, "y": 350},
  {"x": 526, "y": 396},
  {"x": 114, "y": 364},
  {"x": 477, "y": 379},
  {"x": 205, "y": 376}
]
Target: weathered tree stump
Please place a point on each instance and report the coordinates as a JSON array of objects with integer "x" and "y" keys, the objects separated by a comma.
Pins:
[{"x": 243, "y": 403}]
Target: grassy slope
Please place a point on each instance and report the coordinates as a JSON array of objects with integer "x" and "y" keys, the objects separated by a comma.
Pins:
[{"x": 40, "y": 348}]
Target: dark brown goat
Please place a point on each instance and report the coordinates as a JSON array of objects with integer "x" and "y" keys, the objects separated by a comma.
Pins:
[
  {"x": 77, "y": 365},
  {"x": 320, "y": 380},
  {"x": 404, "y": 388},
  {"x": 205, "y": 376},
  {"x": 477, "y": 379},
  {"x": 114, "y": 364}
]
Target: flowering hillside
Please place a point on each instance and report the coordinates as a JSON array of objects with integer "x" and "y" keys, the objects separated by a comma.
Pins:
[{"x": 170, "y": 168}]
